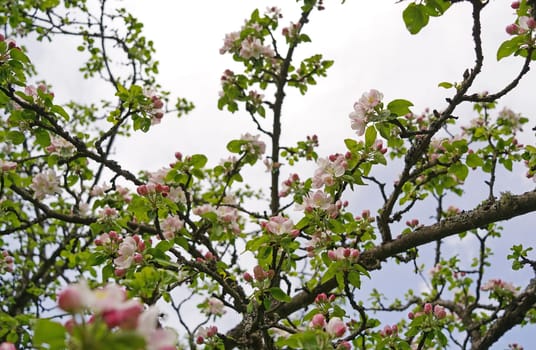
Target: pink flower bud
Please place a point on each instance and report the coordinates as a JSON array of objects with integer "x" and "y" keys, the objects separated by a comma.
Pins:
[
  {"x": 120, "y": 272},
  {"x": 178, "y": 155},
  {"x": 138, "y": 258},
  {"x": 336, "y": 327},
  {"x": 512, "y": 29},
  {"x": 113, "y": 235},
  {"x": 439, "y": 312},
  {"x": 248, "y": 277},
  {"x": 332, "y": 255},
  {"x": 321, "y": 298},
  {"x": 200, "y": 340},
  {"x": 212, "y": 331},
  {"x": 70, "y": 299},
  {"x": 427, "y": 308},
  {"x": 515, "y": 5},
  {"x": 69, "y": 326},
  {"x": 318, "y": 321}
]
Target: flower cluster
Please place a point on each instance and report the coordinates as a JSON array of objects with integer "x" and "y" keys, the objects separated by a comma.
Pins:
[
  {"x": 388, "y": 331},
  {"x": 250, "y": 46},
  {"x": 524, "y": 23},
  {"x": 496, "y": 284},
  {"x": 342, "y": 253},
  {"x": 171, "y": 225},
  {"x": 128, "y": 250},
  {"x": 335, "y": 327},
  {"x": 155, "y": 108},
  {"x": 291, "y": 31},
  {"x": 253, "y": 145},
  {"x": 61, "y": 147},
  {"x": 290, "y": 183},
  {"x": 111, "y": 306},
  {"x": 11, "y": 44},
  {"x": 6, "y": 261},
  {"x": 259, "y": 274},
  {"x": 214, "y": 306},
  {"x": 205, "y": 333},
  {"x": 280, "y": 225},
  {"x": 6, "y": 165},
  {"x": 226, "y": 214},
  {"x": 329, "y": 169},
  {"x": 364, "y": 109},
  {"x": 322, "y": 201},
  {"x": 428, "y": 309},
  {"x": 45, "y": 183}
]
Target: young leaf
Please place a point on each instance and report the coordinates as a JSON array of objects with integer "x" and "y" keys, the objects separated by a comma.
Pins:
[{"x": 415, "y": 17}]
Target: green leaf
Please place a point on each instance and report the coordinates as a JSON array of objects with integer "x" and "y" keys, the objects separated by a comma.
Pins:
[
  {"x": 509, "y": 47},
  {"x": 474, "y": 161},
  {"x": 354, "y": 279},
  {"x": 59, "y": 110},
  {"x": 399, "y": 107},
  {"x": 198, "y": 161},
  {"x": 415, "y": 17},
  {"x": 279, "y": 295},
  {"x": 460, "y": 170},
  {"x": 16, "y": 137},
  {"x": 235, "y": 146},
  {"x": 42, "y": 137},
  {"x": 50, "y": 333},
  {"x": 445, "y": 84},
  {"x": 370, "y": 136}
]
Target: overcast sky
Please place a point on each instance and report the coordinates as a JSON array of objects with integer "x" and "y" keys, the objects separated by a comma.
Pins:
[{"x": 370, "y": 46}]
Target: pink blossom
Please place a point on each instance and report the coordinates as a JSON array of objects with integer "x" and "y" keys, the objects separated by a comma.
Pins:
[
  {"x": 110, "y": 297},
  {"x": 7, "y": 165},
  {"x": 498, "y": 284},
  {"x": 7, "y": 346},
  {"x": 279, "y": 225},
  {"x": 336, "y": 327},
  {"x": 126, "y": 252},
  {"x": 318, "y": 321},
  {"x": 253, "y": 48},
  {"x": 329, "y": 169},
  {"x": 176, "y": 194},
  {"x": 61, "y": 147},
  {"x": 316, "y": 200},
  {"x": 229, "y": 42},
  {"x": 45, "y": 183},
  {"x": 101, "y": 190},
  {"x": 171, "y": 225},
  {"x": 342, "y": 253},
  {"x": 75, "y": 297},
  {"x": 254, "y": 145},
  {"x": 215, "y": 307},
  {"x": 107, "y": 214},
  {"x": 363, "y": 109}
]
